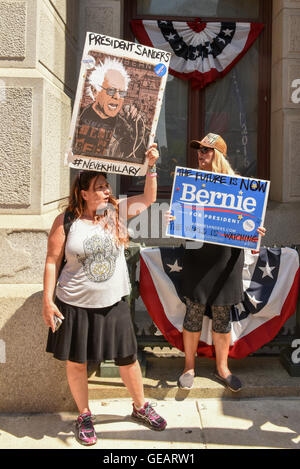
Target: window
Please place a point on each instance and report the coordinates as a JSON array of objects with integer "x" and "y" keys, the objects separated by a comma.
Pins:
[
  {"x": 200, "y": 8},
  {"x": 235, "y": 106}
]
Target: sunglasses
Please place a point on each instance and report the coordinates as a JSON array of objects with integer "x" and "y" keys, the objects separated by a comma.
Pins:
[
  {"x": 113, "y": 91},
  {"x": 204, "y": 149}
]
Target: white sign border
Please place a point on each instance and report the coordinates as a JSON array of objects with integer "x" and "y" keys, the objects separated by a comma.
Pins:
[
  {"x": 211, "y": 242},
  {"x": 95, "y": 162}
]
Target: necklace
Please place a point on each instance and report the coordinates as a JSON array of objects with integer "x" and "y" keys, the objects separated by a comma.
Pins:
[{"x": 94, "y": 219}]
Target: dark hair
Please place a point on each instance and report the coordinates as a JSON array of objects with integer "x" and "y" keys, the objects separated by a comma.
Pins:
[
  {"x": 85, "y": 178},
  {"x": 111, "y": 215}
]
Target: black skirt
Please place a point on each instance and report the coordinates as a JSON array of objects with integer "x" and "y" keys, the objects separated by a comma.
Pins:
[
  {"x": 212, "y": 275},
  {"x": 93, "y": 334}
]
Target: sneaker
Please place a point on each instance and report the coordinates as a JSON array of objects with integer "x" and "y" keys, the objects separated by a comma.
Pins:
[
  {"x": 149, "y": 417},
  {"x": 186, "y": 381},
  {"x": 85, "y": 431}
]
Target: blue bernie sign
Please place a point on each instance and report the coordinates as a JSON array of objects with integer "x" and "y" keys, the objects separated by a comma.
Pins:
[{"x": 217, "y": 208}]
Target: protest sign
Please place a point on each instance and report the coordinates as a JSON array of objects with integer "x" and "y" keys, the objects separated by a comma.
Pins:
[
  {"x": 117, "y": 105},
  {"x": 218, "y": 208}
]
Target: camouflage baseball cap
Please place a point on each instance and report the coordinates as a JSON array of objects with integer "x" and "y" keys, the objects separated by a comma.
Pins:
[{"x": 211, "y": 141}]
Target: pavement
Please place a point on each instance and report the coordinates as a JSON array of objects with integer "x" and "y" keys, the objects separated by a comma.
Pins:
[{"x": 264, "y": 415}]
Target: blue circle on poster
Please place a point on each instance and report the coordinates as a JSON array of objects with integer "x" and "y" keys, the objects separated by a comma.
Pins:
[{"x": 160, "y": 70}]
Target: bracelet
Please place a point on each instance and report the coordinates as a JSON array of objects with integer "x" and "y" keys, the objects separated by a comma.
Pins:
[
  {"x": 151, "y": 169},
  {"x": 152, "y": 175}
]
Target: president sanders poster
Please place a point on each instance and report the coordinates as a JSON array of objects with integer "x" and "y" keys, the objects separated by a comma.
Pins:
[
  {"x": 218, "y": 208},
  {"x": 117, "y": 105}
]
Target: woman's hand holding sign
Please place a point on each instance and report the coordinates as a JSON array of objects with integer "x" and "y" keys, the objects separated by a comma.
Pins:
[{"x": 152, "y": 155}]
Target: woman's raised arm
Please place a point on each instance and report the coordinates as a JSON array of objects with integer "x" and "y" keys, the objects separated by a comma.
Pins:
[{"x": 136, "y": 204}]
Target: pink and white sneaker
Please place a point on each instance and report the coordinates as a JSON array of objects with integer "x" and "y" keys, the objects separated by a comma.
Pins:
[
  {"x": 149, "y": 417},
  {"x": 85, "y": 432}
]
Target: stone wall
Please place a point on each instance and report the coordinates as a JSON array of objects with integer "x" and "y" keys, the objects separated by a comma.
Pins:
[
  {"x": 283, "y": 214},
  {"x": 38, "y": 76},
  {"x": 41, "y": 43}
]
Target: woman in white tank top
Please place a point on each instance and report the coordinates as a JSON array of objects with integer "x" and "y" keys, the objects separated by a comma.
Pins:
[{"x": 87, "y": 298}]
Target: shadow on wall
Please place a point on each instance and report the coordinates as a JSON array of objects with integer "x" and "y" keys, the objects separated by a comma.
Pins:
[{"x": 30, "y": 379}]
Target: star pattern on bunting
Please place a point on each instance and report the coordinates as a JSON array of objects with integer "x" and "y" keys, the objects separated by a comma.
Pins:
[
  {"x": 201, "y": 51},
  {"x": 175, "y": 267},
  {"x": 253, "y": 300},
  {"x": 267, "y": 270},
  {"x": 189, "y": 51}
]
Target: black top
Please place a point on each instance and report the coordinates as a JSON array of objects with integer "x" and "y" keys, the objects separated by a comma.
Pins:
[
  {"x": 120, "y": 137},
  {"x": 212, "y": 275}
]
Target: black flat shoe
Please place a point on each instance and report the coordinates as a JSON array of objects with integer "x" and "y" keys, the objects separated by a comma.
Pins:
[{"x": 232, "y": 382}]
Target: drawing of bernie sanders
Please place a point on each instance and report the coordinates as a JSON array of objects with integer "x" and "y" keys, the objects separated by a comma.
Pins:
[{"x": 109, "y": 128}]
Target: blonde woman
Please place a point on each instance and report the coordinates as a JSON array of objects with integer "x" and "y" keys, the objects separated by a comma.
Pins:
[{"x": 212, "y": 279}]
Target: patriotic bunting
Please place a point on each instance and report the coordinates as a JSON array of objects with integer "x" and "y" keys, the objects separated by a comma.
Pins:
[
  {"x": 201, "y": 52},
  {"x": 271, "y": 286}
]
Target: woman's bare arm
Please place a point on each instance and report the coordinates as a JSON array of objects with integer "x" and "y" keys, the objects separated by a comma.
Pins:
[{"x": 55, "y": 253}]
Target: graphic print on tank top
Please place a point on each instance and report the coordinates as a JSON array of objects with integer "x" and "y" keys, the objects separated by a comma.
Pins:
[{"x": 100, "y": 258}]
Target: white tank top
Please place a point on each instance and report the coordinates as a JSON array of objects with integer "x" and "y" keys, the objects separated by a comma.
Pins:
[{"x": 95, "y": 274}]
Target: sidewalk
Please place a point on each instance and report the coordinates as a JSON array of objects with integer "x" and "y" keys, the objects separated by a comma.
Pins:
[
  {"x": 192, "y": 425},
  {"x": 265, "y": 414}
]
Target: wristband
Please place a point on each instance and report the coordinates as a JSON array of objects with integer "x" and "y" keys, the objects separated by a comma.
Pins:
[
  {"x": 151, "y": 169},
  {"x": 152, "y": 175}
]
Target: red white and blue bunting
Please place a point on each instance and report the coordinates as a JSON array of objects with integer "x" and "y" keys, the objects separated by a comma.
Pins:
[
  {"x": 201, "y": 52},
  {"x": 271, "y": 286}
]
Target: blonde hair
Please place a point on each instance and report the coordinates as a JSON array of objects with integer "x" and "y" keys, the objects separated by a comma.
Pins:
[{"x": 220, "y": 164}]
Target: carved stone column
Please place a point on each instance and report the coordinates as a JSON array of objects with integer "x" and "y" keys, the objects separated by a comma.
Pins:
[
  {"x": 284, "y": 206},
  {"x": 38, "y": 51}
]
